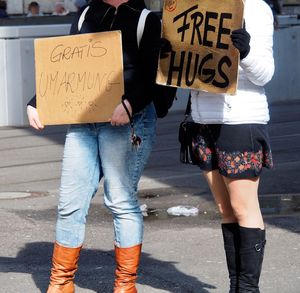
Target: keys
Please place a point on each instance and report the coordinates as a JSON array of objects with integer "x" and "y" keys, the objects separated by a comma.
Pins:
[{"x": 135, "y": 140}]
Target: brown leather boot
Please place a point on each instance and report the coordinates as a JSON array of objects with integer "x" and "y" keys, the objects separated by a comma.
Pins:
[
  {"x": 127, "y": 260},
  {"x": 64, "y": 266}
]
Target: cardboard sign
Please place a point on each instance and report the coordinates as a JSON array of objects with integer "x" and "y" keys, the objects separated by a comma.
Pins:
[
  {"x": 202, "y": 56},
  {"x": 79, "y": 79}
]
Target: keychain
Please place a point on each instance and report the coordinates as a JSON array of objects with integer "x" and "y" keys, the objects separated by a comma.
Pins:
[{"x": 135, "y": 139}]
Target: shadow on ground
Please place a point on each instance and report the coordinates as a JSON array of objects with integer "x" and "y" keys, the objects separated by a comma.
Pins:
[{"x": 96, "y": 270}]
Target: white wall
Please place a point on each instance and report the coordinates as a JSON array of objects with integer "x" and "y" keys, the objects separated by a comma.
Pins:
[
  {"x": 14, "y": 6},
  {"x": 17, "y": 83}
]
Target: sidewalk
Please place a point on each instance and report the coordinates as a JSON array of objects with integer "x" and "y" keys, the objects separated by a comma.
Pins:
[{"x": 180, "y": 254}]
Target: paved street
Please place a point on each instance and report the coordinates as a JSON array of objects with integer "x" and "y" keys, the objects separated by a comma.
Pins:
[{"x": 180, "y": 254}]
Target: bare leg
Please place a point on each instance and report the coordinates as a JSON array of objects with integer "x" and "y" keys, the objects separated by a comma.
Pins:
[
  {"x": 221, "y": 195},
  {"x": 244, "y": 201},
  {"x": 245, "y": 205},
  {"x": 230, "y": 228}
]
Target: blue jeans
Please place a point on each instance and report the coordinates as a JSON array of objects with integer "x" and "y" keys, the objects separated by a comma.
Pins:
[{"x": 93, "y": 151}]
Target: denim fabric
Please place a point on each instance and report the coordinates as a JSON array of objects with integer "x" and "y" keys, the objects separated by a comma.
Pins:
[{"x": 93, "y": 151}]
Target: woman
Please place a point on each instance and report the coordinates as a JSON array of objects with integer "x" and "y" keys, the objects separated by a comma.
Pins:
[
  {"x": 60, "y": 9},
  {"x": 232, "y": 146},
  {"x": 34, "y": 9},
  {"x": 97, "y": 150}
]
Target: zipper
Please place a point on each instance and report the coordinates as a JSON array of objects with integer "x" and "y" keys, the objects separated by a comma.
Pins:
[
  {"x": 116, "y": 12},
  {"x": 106, "y": 13},
  {"x": 114, "y": 18}
]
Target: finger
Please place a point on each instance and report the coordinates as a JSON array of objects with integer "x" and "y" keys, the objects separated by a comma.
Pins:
[
  {"x": 238, "y": 44},
  {"x": 238, "y": 37},
  {"x": 239, "y": 33},
  {"x": 240, "y": 30},
  {"x": 38, "y": 123},
  {"x": 237, "y": 40},
  {"x": 33, "y": 124},
  {"x": 163, "y": 55},
  {"x": 117, "y": 123}
]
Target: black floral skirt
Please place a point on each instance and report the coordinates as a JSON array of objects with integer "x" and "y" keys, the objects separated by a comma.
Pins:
[{"x": 237, "y": 151}]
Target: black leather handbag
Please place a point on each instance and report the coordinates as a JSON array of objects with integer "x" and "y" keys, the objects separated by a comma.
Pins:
[{"x": 187, "y": 134}]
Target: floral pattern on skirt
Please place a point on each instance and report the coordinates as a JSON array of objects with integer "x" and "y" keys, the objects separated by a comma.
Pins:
[
  {"x": 237, "y": 151},
  {"x": 238, "y": 162}
]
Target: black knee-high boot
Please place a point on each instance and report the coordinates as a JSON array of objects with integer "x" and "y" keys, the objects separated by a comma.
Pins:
[
  {"x": 231, "y": 245},
  {"x": 252, "y": 243}
]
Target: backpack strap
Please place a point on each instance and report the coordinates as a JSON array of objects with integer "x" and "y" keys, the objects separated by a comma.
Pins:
[
  {"x": 82, "y": 18},
  {"x": 141, "y": 25}
]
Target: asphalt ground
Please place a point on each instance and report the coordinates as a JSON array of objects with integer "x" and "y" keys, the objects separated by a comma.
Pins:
[{"x": 180, "y": 254}]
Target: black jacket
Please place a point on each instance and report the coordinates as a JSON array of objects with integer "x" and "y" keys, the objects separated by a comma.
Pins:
[{"x": 140, "y": 64}]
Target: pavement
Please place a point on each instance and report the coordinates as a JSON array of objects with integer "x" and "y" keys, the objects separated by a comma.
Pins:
[{"x": 180, "y": 254}]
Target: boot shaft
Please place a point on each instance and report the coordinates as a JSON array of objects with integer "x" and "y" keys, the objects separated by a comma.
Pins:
[
  {"x": 64, "y": 266},
  {"x": 127, "y": 262},
  {"x": 230, "y": 233},
  {"x": 252, "y": 244}
]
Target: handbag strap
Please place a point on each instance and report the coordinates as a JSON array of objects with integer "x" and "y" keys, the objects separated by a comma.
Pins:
[{"x": 188, "y": 106}]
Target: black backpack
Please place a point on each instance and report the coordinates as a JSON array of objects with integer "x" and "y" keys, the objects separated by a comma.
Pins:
[{"x": 163, "y": 95}]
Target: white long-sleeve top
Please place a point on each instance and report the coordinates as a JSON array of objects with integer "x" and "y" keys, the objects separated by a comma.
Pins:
[{"x": 249, "y": 105}]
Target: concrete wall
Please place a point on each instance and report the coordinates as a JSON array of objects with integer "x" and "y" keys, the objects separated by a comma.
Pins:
[
  {"x": 285, "y": 84},
  {"x": 17, "y": 83}
]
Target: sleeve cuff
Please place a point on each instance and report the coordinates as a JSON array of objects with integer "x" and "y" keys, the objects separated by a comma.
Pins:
[
  {"x": 32, "y": 102},
  {"x": 247, "y": 61}
]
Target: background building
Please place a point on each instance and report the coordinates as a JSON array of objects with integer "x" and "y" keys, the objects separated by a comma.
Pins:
[{"x": 47, "y": 6}]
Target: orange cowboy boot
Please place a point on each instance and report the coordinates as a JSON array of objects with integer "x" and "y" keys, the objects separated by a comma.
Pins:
[
  {"x": 127, "y": 260},
  {"x": 64, "y": 266}
]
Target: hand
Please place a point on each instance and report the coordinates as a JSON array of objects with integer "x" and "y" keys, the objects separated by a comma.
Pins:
[
  {"x": 241, "y": 40},
  {"x": 120, "y": 116},
  {"x": 33, "y": 118},
  {"x": 165, "y": 48}
]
